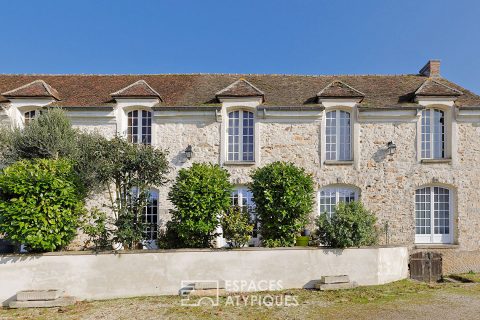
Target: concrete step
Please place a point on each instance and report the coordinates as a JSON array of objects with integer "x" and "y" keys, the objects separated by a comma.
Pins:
[
  {"x": 335, "y": 286},
  {"x": 42, "y": 295},
  {"x": 205, "y": 285},
  {"x": 60, "y": 302},
  {"x": 335, "y": 279},
  {"x": 208, "y": 293}
]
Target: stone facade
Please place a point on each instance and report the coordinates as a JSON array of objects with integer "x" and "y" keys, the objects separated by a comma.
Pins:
[{"x": 386, "y": 183}]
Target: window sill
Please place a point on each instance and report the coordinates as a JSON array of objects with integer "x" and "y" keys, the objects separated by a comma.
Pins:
[
  {"x": 433, "y": 161},
  {"x": 436, "y": 246},
  {"x": 338, "y": 163},
  {"x": 239, "y": 163}
]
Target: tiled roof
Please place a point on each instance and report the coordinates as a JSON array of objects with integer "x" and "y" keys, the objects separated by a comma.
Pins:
[
  {"x": 34, "y": 89},
  {"x": 240, "y": 88},
  {"x": 201, "y": 89},
  {"x": 137, "y": 89},
  {"x": 339, "y": 89},
  {"x": 434, "y": 88}
]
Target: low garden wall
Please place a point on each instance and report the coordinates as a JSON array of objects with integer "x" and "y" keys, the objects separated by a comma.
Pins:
[{"x": 113, "y": 275}]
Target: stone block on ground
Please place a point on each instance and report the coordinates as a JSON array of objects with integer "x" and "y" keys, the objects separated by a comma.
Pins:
[
  {"x": 60, "y": 302},
  {"x": 208, "y": 293},
  {"x": 29, "y": 295},
  {"x": 335, "y": 279},
  {"x": 204, "y": 285}
]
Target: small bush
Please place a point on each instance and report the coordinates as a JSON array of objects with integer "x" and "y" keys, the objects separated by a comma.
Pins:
[
  {"x": 200, "y": 194},
  {"x": 96, "y": 227},
  {"x": 236, "y": 225},
  {"x": 283, "y": 196},
  {"x": 351, "y": 226},
  {"x": 40, "y": 204}
]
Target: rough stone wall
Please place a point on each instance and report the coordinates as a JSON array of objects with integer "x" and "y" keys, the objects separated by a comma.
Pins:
[{"x": 387, "y": 183}]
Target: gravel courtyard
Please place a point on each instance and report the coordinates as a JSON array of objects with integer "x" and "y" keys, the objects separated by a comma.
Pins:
[{"x": 400, "y": 300}]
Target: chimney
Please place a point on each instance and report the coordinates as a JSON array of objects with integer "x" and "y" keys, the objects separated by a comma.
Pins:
[{"x": 431, "y": 69}]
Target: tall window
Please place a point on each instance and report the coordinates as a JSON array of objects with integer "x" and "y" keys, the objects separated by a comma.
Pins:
[
  {"x": 243, "y": 198},
  {"x": 151, "y": 217},
  {"x": 433, "y": 215},
  {"x": 150, "y": 214},
  {"x": 338, "y": 136},
  {"x": 140, "y": 127},
  {"x": 240, "y": 136},
  {"x": 433, "y": 134},
  {"x": 29, "y": 116},
  {"x": 331, "y": 196}
]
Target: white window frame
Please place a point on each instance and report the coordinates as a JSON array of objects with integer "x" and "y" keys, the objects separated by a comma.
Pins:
[
  {"x": 433, "y": 126},
  {"x": 241, "y": 137},
  {"x": 36, "y": 112},
  {"x": 338, "y": 189},
  {"x": 433, "y": 237},
  {"x": 338, "y": 134},
  {"x": 139, "y": 126},
  {"x": 242, "y": 192}
]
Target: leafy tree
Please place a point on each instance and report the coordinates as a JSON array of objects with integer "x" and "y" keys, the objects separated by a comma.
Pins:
[
  {"x": 131, "y": 170},
  {"x": 351, "y": 226},
  {"x": 237, "y": 227},
  {"x": 40, "y": 204},
  {"x": 200, "y": 194},
  {"x": 283, "y": 196},
  {"x": 51, "y": 136}
]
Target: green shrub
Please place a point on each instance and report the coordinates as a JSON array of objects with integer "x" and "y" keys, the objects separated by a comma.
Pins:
[
  {"x": 40, "y": 204},
  {"x": 350, "y": 226},
  {"x": 237, "y": 227},
  {"x": 96, "y": 227},
  {"x": 283, "y": 196},
  {"x": 51, "y": 136},
  {"x": 200, "y": 194}
]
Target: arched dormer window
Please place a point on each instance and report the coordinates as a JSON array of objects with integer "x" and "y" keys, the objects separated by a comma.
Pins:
[
  {"x": 240, "y": 133},
  {"x": 433, "y": 134},
  {"x": 338, "y": 136},
  {"x": 139, "y": 127},
  {"x": 330, "y": 196}
]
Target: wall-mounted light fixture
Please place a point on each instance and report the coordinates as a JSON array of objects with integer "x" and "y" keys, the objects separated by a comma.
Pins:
[
  {"x": 391, "y": 148},
  {"x": 188, "y": 152}
]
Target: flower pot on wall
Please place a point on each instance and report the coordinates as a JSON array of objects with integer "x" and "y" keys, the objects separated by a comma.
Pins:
[
  {"x": 117, "y": 246},
  {"x": 302, "y": 241}
]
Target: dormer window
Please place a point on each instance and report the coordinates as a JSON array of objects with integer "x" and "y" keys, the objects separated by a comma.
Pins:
[
  {"x": 139, "y": 127},
  {"x": 433, "y": 134},
  {"x": 30, "y": 116},
  {"x": 240, "y": 136},
  {"x": 338, "y": 136}
]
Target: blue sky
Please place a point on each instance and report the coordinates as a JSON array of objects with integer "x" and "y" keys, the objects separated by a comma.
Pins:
[{"x": 277, "y": 36}]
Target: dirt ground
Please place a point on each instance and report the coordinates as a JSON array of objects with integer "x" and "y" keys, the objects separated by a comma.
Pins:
[{"x": 400, "y": 300}]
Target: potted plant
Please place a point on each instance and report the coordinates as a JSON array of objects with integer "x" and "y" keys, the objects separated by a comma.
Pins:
[{"x": 303, "y": 239}]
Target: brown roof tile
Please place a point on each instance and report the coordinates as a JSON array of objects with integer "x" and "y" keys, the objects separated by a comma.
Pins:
[
  {"x": 34, "y": 89},
  {"x": 339, "y": 89},
  {"x": 201, "y": 89},
  {"x": 136, "y": 89},
  {"x": 434, "y": 88},
  {"x": 240, "y": 88}
]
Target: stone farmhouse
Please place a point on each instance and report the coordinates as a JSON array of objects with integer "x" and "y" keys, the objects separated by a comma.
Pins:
[{"x": 407, "y": 146}]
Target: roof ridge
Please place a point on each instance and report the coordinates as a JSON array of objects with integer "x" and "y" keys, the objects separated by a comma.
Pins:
[{"x": 215, "y": 74}]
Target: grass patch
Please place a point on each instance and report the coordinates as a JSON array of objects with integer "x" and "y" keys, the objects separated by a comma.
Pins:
[{"x": 346, "y": 304}]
